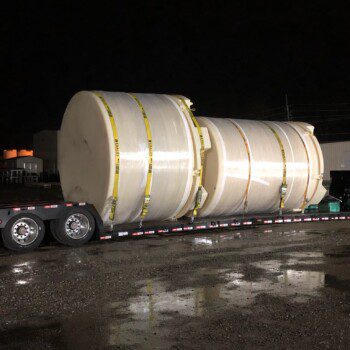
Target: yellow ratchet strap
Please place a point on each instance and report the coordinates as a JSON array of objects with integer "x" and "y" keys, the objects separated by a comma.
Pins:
[
  {"x": 249, "y": 160},
  {"x": 200, "y": 175},
  {"x": 147, "y": 198},
  {"x": 284, "y": 180},
  {"x": 117, "y": 156}
]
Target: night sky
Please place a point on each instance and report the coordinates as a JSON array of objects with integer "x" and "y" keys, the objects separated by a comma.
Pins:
[{"x": 232, "y": 58}]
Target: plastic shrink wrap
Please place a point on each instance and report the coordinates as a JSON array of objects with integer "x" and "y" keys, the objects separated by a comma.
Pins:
[
  {"x": 253, "y": 164},
  {"x": 134, "y": 156},
  {"x": 142, "y": 156}
]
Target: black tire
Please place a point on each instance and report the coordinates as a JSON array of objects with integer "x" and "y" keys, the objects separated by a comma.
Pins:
[
  {"x": 60, "y": 227},
  {"x": 12, "y": 238},
  {"x": 53, "y": 227}
]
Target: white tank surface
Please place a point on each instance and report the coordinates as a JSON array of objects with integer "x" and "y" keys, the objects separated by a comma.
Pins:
[
  {"x": 260, "y": 167},
  {"x": 134, "y": 156}
]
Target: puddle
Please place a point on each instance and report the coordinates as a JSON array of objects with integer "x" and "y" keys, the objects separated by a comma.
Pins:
[
  {"x": 342, "y": 252},
  {"x": 158, "y": 304},
  {"x": 199, "y": 287},
  {"x": 247, "y": 233},
  {"x": 306, "y": 255},
  {"x": 19, "y": 274},
  {"x": 208, "y": 290},
  {"x": 205, "y": 290},
  {"x": 155, "y": 301}
]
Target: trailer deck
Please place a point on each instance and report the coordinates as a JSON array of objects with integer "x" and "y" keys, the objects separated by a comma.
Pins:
[
  {"x": 200, "y": 224},
  {"x": 62, "y": 211}
]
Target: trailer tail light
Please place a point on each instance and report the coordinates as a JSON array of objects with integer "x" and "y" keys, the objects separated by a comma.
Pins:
[
  {"x": 52, "y": 206},
  {"x": 163, "y": 230},
  {"x": 138, "y": 233},
  {"x": 105, "y": 237},
  {"x": 69, "y": 204}
]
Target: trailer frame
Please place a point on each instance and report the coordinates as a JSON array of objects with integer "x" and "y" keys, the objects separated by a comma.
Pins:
[
  {"x": 49, "y": 211},
  {"x": 186, "y": 226}
]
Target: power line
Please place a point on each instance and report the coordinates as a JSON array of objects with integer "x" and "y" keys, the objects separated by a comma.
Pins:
[
  {"x": 334, "y": 133},
  {"x": 321, "y": 104},
  {"x": 321, "y": 110},
  {"x": 323, "y": 117}
]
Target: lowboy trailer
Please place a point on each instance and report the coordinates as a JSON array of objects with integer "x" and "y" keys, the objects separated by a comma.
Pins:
[{"x": 23, "y": 226}]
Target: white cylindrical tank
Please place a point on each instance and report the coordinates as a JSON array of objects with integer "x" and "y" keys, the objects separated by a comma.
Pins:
[
  {"x": 244, "y": 170},
  {"x": 134, "y": 156}
]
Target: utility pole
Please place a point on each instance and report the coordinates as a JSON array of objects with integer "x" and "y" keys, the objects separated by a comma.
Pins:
[{"x": 287, "y": 108}]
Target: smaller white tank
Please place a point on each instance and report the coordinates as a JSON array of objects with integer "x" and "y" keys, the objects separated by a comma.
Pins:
[{"x": 245, "y": 168}]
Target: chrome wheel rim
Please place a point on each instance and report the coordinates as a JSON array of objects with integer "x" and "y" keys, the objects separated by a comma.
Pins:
[
  {"x": 25, "y": 231},
  {"x": 77, "y": 226}
]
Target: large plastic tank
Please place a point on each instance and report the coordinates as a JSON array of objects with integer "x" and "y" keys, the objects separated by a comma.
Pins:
[
  {"x": 134, "y": 156},
  {"x": 245, "y": 168}
]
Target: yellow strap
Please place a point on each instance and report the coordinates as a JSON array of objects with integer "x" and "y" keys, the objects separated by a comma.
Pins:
[
  {"x": 117, "y": 156},
  {"x": 147, "y": 198},
  {"x": 249, "y": 160},
  {"x": 284, "y": 179},
  {"x": 202, "y": 150}
]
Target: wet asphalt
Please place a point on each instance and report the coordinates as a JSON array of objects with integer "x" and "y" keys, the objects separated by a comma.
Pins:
[{"x": 278, "y": 287}]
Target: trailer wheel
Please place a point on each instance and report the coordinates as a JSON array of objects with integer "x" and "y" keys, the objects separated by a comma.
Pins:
[
  {"x": 24, "y": 232},
  {"x": 53, "y": 226},
  {"x": 74, "y": 228}
]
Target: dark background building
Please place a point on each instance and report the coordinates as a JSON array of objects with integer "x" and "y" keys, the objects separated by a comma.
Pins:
[{"x": 236, "y": 58}]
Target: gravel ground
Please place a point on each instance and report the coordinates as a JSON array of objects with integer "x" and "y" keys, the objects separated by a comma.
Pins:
[{"x": 282, "y": 287}]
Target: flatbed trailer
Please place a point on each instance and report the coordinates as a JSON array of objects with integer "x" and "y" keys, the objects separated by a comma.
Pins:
[{"x": 23, "y": 226}]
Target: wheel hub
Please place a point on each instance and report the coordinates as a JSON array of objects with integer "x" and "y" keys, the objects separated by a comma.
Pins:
[
  {"x": 74, "y": 225},
  {"x": 25, "y": 231},
  {"x": 77, "y": 226}
]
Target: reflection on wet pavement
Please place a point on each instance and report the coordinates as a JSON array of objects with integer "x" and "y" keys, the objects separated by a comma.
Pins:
[
  {"x": 158, "y": 303},
  {"x": 155, "y": 300},
  {"x": 149, "y": 293}
]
